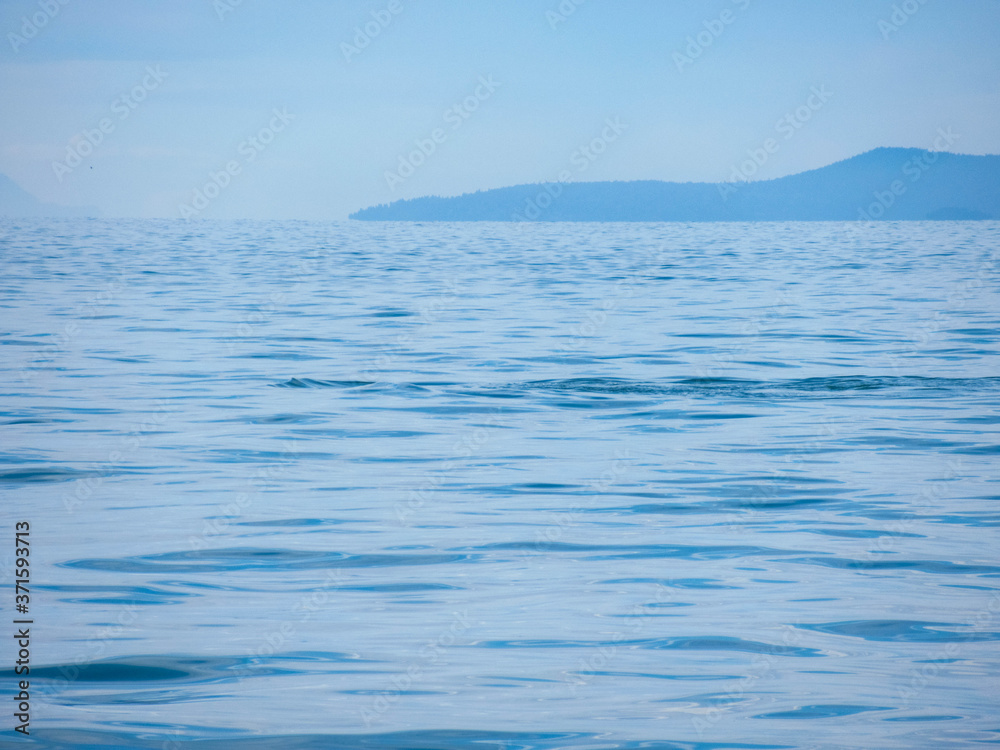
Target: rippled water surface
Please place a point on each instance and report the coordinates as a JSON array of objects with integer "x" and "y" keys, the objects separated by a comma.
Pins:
[{"x": 497, "y": 486}]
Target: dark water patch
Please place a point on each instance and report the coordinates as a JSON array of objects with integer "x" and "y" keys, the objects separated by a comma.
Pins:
[
  {"x": 29, "y": 420},
  {"x": 901, "y": 386},
  {"x": 290, "y": 356},
  {"x": 908, "y": 631},
  {"x": 311, "y": 383},
  {"x": 747, "y": 503},
  {"x": 979, "y": 450},
  {"x": 725, "y": 643},
  {"x": 863, "y": 533},
  {"x": 821, "y": 711},
  {"x": 48, "y": 474},
  {"x": 923, "y": 566},
  {"x": 278, "y": 419},
  {"x": 135, "y": 697},
  {"x": 193, "y": 669},
  {"x": 125, "y": 595},
  {"x": 140, "y": 669}
]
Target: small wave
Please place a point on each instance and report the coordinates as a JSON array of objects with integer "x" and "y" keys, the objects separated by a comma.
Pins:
[
  {"x": 46, "y": 474},
  {"x": 911, "y": 631},
  {"x": 821, "y": 711},
  {"x": 311, "y": 383}
]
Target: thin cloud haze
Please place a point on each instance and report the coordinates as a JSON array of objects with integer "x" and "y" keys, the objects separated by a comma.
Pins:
[{"x": 365, "y": 85}]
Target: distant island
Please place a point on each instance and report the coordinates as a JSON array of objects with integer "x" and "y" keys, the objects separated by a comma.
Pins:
[{"x": 891, "y": 184}]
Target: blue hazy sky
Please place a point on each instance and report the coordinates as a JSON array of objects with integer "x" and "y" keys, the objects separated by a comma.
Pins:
[{"x": 172, "y": 91}]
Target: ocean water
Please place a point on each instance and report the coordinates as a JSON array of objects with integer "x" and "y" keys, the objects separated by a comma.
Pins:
[{"x": 415, "y": 486}]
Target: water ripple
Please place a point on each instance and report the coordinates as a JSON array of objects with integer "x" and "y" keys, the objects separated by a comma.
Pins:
[{"x": 255, "y": 558}]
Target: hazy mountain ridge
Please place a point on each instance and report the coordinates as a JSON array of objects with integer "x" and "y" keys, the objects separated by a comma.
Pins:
[
  {"x": 16, "y": 201},
  {"x": 883, "y": 184}
]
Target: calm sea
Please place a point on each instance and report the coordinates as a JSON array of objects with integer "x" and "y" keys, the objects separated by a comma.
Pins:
[{"x": 520, "y": 487}]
